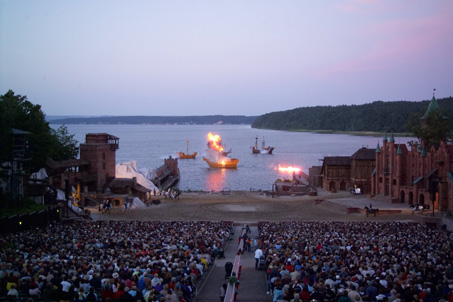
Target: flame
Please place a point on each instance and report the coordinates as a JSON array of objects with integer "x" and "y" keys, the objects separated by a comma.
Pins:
[
  {"x": 289, "y": 169},
  {"x": 215, "y": 142}
]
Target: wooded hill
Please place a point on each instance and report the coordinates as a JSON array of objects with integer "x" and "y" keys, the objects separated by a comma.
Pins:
[
  {"x": 162, "y": 120},
  {"x": 378, "y": 116}
]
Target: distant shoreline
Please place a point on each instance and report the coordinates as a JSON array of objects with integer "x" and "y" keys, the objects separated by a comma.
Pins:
[{"x": 356, "y": 133}]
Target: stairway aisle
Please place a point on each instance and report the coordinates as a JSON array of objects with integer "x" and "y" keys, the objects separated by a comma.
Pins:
[
  {"x": 253, "y": 285},
  {"x": 253, "y": 282}
]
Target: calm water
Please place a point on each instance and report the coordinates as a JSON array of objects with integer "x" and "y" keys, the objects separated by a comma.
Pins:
[{"x": 150, "y": 144}]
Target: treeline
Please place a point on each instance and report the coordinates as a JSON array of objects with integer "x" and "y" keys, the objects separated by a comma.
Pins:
[
  {"x": 376, "y": 117},
  {"x": 183, "y": 120}
]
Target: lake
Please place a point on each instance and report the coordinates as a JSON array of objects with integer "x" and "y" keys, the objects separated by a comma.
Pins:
[{"x": 149, "y": 145}]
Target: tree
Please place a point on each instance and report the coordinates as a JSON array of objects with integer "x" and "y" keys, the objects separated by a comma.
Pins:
[
  {"x": 432, "y": 128},
  {"x": 67, "y": 145},
  {"x": 44, "y": 142}
]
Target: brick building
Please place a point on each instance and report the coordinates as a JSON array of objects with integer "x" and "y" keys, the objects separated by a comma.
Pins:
[
  {"x": 415, "y": 175},
  {"x": 99, "y": 150}
]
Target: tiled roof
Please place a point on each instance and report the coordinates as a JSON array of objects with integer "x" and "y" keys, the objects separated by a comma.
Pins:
[{"x": 364, "y": 154}]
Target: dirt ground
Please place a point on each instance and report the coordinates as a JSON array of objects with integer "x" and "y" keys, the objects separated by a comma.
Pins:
[{"x": 251, "y": 207}]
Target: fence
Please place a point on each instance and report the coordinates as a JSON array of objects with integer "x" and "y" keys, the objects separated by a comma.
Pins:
[{"x": 27, "y": 221}]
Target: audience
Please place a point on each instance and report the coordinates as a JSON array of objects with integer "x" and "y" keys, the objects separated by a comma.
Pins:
[
  {"x": 358, "y": 261},
  {"x": 120, "y": 260}
]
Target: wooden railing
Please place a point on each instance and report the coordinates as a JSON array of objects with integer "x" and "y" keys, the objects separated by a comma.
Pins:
[
  {"x": 29, "y": 221},
  {"x": 231, "y": 292}
]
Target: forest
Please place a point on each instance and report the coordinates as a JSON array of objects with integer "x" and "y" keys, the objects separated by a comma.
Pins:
[
  {"x": 379, "y": 116},
  {"x": 182, "y": 120}
]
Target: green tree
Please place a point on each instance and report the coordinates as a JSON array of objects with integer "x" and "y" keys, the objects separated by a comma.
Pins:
[
  {"x": 66, "y": 147},
  {"x": 19, "y": 113},
  {"x": 432, "y": 128}
]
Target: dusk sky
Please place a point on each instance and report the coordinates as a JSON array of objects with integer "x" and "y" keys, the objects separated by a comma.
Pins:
[{"x": 223, "y": 57}]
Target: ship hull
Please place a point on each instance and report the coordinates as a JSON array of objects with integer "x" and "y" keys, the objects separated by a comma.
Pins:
[
  {"x": 229, "y": 164},
  {"x": 182, "y": 155}
]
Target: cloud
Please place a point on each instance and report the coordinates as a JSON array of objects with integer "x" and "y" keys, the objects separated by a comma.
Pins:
[{"x": 392, "y": 43}]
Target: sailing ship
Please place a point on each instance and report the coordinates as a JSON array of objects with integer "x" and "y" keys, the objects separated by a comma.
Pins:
[
  {"x": 228, "y": 163},
  {"x": 264, "y": 149},
  {"x": 217, "y": 155},
  {"x": 186, "y": 155}
]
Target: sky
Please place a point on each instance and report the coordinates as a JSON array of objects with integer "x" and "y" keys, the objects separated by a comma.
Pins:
[{"x": 247, "y": 57}]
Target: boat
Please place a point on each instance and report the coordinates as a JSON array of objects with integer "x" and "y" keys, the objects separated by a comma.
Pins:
[
  {"x": 264, "y": 149},
  {"x": 186, "y": 155},
  {"x": 228, "y": 163},
  {"x": 182, "y": 155}
]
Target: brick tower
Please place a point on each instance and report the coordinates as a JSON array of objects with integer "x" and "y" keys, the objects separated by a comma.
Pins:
[{"x": 99, "y": 150}]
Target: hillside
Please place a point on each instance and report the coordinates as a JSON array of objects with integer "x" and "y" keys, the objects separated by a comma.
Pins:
[
  {"x": 183, "y": 120},
  {"x": 376, "y": 117}
]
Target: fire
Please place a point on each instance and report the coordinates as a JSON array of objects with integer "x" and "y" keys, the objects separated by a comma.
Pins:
[
  {"x": 215, "y": 142},
  {"x": 289, "y": 169}
]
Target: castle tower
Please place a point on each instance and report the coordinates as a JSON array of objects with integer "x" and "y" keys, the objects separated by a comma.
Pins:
[
  {"x": 172, "y": 163},
  {"x": 391, "y": 167},
  {"x": 385, "y": 165},
  {"x": 399, "y": 170},
  {"x": 99, "y": 150},
  {"x": 376, "y": 174}
]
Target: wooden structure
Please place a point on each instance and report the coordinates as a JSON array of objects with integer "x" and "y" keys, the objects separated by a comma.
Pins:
[
  {"x": 344, "y": 172},
  {"x": 167, "y": 175}
]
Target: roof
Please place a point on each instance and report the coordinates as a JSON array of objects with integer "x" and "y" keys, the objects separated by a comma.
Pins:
[
  {"x": 450, "y": 177},
  {"x": 432, "y": 173},
  {"x": 364, "y": 154},
  {"x": 337, "y": 161},
  {"x": 433, "y": 106},
  {"x": 127, "y": 182},
  {"x": 110, "y": 136},
  {"x": 53, "y": 164},
  {"x": 19, "y": 132},
  {"x": 417, "y": 180},
  {"x": 378, "y": 148}
]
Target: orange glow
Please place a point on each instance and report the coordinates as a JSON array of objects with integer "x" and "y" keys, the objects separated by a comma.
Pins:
[
  {"x": 215, "y": 142},
  {"x": 289, "y": 169}
]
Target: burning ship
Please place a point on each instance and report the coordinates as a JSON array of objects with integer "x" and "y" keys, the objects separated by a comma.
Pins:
[{"x": 218, "y": 157}]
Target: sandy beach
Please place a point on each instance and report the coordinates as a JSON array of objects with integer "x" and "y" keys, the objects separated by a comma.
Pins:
[{"x": 251, "y": 207}]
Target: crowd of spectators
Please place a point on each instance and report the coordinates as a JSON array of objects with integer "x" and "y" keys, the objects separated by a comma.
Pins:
[
  {"x": 357, "y": 261},
  {"x": 110, "y": 260}
]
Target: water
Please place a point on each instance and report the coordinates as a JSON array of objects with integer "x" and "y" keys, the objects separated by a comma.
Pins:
[{"x": 149, "y": 145}]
